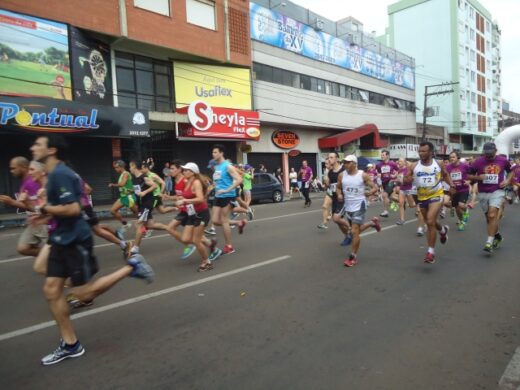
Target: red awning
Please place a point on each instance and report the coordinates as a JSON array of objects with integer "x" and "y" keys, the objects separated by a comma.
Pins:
[{"x": 368, "y": 133}]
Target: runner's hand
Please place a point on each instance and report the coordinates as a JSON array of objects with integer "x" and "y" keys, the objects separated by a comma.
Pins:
[{"x": 7, "y": 200}]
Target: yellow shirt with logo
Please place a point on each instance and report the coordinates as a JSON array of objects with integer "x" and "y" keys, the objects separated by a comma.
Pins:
[{"x": 427, "y": 179}]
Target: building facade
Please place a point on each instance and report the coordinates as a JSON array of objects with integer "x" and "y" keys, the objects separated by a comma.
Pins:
[{"x": 452, "y": 41}]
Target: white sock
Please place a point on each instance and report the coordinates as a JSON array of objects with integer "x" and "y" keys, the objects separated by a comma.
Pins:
[
  {"x": 122, "y": 244},
  {"x": 443, "y": 230},
  {"x": 135, "y": 249},
  {"x": 490, "y": 239},
  {"x": 431, "y": 250}
]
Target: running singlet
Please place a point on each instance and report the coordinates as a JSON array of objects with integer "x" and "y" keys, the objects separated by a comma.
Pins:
[
  {"x": 401, "y": 174},
  {"x": 128, "y": 188},
  {"x": 333, "y": 181},
  {"x": 192, "y": 209},
  {"x": 494, "y": 172},
  {"x": 293, "y": 176},
  {"x": 516, "y": 176},
  {"x": 459, "y": 174},
  {"x": 223, "y": 180},
  {"x": 386, "y": 169},
  {"x": 154, "y": 176},
  {"x": 141, "y": 186},
  {"x": 353, "y": 187},
  {"x": 179, "y": 188},
  {"x": 428, "y": 180},
  {"x": 248, "y": 185}
]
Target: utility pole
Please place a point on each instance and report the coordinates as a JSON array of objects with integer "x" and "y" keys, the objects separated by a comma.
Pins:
[{"x": 425, "y": 107}]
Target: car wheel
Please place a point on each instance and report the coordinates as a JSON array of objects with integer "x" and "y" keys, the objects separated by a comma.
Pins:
[{"x": 277, "y": 197}]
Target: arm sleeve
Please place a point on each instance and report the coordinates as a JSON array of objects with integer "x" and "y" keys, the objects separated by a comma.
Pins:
[{"x": 68, "y": 188}]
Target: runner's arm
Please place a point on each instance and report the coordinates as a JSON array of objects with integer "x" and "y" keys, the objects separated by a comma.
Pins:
[
  {"x": 237, "y": 180},
  {"x": 62, "y": 210},
  {"x": 124, "y": 179},
  {"x": 368, "y": 182},
  {"x": 408, "y": 179},
  {"x": 339, "y": 189},
  {"x": 199, "y": 194},
  {"x": 14, "y": 203},
  {"x": 151, "y": 184}
]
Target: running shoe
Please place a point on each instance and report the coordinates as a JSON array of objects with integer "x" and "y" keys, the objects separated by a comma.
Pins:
[
  {"x": 228, "y": 249},
  {"x": 120, "y": 233},
  {"x": 250, "y": 213},
  {"x": 452, "y": 212},
  {"x": 420, "y": 232},
  {"x": 444, "y": 237},
  {"x": 322, "y": 226},
  {"x": 211, "y": 231},
  {"x": 188, "y": 251},
  {"x": 148, "y": 233},
  {"x": 142, "y": 269},
  {"x": 75, "y": 303},
  {"x": 215, "y": 254},
  {"x": 377, "y": 224},
  {"x": 497, "y": 240},
  {"x": 348, "y": 240},
  {"x": 465, "y": 216},
  {"x": 399, "y": 222},
  {"x": 241, "y": 226},
  {"x": 429, "y": 258},
  {"x": 351, "y": 261},
  {"x": 461, "y": 226},
  {"x": 384, "y": 214},
  {"x": 205, "y": 267},
  {"x": 127, "y": 249},
  {"x": 394, "y": 206},
  {"x": 488, "y": 247},
  {"x": 442, "y": 214},
  {"x": 63, "y": 352},
  {"x": 212, "y": 245},
  {"x": 233, "y": 216}
]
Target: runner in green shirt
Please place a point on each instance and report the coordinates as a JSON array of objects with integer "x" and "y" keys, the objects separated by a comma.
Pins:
[{"x": 126, "y": 195}]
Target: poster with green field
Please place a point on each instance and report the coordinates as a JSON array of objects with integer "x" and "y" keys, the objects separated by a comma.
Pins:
[{"x": 34, "y": 57}]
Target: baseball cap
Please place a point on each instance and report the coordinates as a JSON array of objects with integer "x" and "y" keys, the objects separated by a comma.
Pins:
[
  {"x": 370, "y": 165},
  {"x": 191, "y": 166},
  {"x": 247, "y": 166},
  {"x": 489, "y": 147},
  {"x": 211, "y": 163},
  {"x": 350, "y": 158}
]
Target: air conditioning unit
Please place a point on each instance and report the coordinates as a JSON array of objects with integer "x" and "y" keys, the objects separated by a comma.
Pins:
[{"x": 320, "y": 25}]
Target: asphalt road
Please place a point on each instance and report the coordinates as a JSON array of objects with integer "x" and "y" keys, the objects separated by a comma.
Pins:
[{"x": 281, "y": 313}]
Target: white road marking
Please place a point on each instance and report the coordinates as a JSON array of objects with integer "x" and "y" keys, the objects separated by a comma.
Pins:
[
  {"x": 14, "y": 259},
  {"x": 510, "y": 380},
  {"x": 48, "y": 324}
]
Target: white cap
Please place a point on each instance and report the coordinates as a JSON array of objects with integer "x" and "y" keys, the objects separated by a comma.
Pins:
[
  {"x": 351, "y": 158},
  {"x": 370, "y": 165},
  {"x": 191, "y": 166}
]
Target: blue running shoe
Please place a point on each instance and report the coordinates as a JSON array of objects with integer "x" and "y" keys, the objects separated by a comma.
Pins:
[
  {"x": 188, "y": 251},
  {"x": 120, "y": 233},
  {"x": 142, "y": 269},
  {"x": 62, "y": 353},
  {"x": 215, "y": 254},
  {"x": 347, "y": 241}
]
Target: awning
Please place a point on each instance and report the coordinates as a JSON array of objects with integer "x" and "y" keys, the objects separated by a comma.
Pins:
[{"x": 368, "y": 133}]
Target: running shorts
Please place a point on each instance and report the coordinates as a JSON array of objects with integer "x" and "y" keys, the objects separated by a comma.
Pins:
[
  {"x": 388, "y": 187},
  {"x": 33, "y": 235},
  {"x": 337, "y": 206},
  {"x": 128, "y": 200},
  {"x": 90, "y": 216},
  {"x": 356, "y": 217},
  {"x": 223, "y": 202},
  {"x": 145, "y": 212},
  {"x": 423, "y": 204},
  {"x": 491, "y": 199},
  {"x": 459, "y": 197},
  {"x": 201, "y": 218}
]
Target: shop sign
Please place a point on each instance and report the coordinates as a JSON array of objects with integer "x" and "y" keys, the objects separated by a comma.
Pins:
[
  {"x": 285, "y": 139},
  {"x": 47, "y": 115},
  {"x": 294, "y": 153},
  {"x": 217, "y": 122},
  {"x": 404, "y": 151}
]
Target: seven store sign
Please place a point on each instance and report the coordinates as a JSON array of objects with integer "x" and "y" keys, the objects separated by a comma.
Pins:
[
  {"x": 217, "y": 122},
  {"x": 285, "y": 139}
]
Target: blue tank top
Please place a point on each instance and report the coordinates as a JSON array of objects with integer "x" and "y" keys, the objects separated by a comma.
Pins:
[{"x": 223, "y": 180}]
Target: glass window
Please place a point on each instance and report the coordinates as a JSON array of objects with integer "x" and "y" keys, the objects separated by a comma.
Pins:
[
  {"x": 287, "y": 78},
  {"x": 145, "y": 101},
  {"x": 160, "y": 68},
  {"x": 364, "y": 95},
  {"x": 295, "y": 80},
  {"x": 264, "y": 73},
  {"x": 124, "y": 59},
  {"x": 321, "y": 85},
  {"x": 201, "y": 13},
  {"x": 335, "y": 89},
  {"x": 277, "y": 76},
  {"x": 143, "y": 63},
  {"x": 342, "y": 90},
  {"x": 305, "y": 82},
  {"x": 376, "y": 98},
  {"x": 125, "y": 79},
  {"x": 144, "y": 81},
  {"x": 162, "y": 85},
  {"x": 328, "y": 87},
  {"x": 314, "y": 84},
  {"x": 158, "y": 6},
  {"x": 126, "y": 100}
]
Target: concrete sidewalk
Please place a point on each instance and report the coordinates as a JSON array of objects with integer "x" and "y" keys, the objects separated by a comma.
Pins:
[{"x": 12, "y": 220}]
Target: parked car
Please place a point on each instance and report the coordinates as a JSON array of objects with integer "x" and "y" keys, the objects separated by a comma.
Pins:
[{"x": 265, "y": 186}]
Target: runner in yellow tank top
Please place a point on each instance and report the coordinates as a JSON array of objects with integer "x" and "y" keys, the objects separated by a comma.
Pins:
[{"x": 427, "y": 174}]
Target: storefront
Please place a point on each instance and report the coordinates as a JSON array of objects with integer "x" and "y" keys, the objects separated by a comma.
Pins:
[{"x": 96, "y": 135}]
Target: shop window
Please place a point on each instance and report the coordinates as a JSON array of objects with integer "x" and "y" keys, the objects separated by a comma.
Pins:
[
  {"x": 143, "y": 83},
  {"x": 158, "y": 6},
  {"x": 201, "y": 13}
]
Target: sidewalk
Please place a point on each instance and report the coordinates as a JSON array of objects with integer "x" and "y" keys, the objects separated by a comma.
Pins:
[{"x": 12, "y": 220}]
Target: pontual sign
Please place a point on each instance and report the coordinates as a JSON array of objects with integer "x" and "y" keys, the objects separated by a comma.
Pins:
[
  {"x": 285, "y": 139},
  {"x": 217, "y": 122}
]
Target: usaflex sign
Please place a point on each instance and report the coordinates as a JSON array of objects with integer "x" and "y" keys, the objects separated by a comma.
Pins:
[{"x": 39, "y": 115}]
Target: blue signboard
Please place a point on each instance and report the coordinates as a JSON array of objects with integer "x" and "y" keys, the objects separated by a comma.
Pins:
[{"x": 278, "y": 30}]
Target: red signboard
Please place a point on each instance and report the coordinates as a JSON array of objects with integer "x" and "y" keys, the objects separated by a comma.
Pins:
[
  {"x": 285, "y": 139},
  {"x": 217, "y": 122}
]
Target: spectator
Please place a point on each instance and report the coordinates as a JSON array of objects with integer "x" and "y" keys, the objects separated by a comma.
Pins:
[
  {"x": 167, "y": 178},
  {"x": 293, "y": 177},
  {"x": 262, "y": 168},
  {"x": 306, "y": 178},
  {"x": 279, "y": 175}
]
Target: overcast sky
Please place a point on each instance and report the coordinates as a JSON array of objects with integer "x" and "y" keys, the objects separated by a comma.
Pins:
[{"x": 373, "y": 15}]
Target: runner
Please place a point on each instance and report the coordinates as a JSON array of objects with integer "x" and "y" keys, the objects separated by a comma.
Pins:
[
  {"x": 405, "y": 190},
  {"x": 306, "y": 178},
  {"x": 159, "y": 191},
  {"x": 293, "y": 177},
  {"x": 351, "y": 190},
  {"x": 427, "y": 173},
  {"x": 71, "y": 247},
  {"x": 330, "y": 165},
  {"x": 226, "y": 179},
  {"x": 33, "y": 236},
  {"x": 249, "y": 173},
  {"x": 372, "y": 173},
  {"x": 126, "y": 196},
  {"x": 387, "y": 170},
  {"x": 459, "y": 176},
  {"x": 490, "y": 171}
]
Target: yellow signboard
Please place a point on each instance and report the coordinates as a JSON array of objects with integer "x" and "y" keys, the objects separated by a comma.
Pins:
[{"x": 219, "y": 86}]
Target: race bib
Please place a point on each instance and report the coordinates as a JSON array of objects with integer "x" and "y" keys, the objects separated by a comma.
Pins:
[
  {"x": 425, "y": 181},
  {"x": 400, "y": 178},
  {"x": 307, "y": 184},
  {"x": 333, "y": 187},
  {"x": 217, "y": 175},
  {"x": 137, "y": 189},
  {"x": 190, "y": 209},
  {"x": 352, "y": 190},
  {"x": 456, "y": 176},
  {"x": 385, "y": 169},
  {"x": 490, "y": 179}
]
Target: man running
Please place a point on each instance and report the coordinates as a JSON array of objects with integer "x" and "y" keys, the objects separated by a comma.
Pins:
[
  {"x": 428, "y": 173},
  {"x": 71, "y": 252},
  {"x": 306, "y": 177},
  {"x": 126, "y": 196},
  {"x": 387, "y": 170},
  {"x": 226, "y": 179},
  {"x": 352, "y": 183},
  {"x": 490, "y": 171},
  {"x": 459, "y": 176}
]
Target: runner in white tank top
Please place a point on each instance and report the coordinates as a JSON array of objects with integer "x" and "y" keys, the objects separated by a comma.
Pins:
[{"x": 352, "y": 192}]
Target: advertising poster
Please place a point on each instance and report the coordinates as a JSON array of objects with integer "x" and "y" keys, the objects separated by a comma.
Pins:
[
  {"x": 220, "y": 86},
  {"x": 34, "y": 57},
  {"x": 90, "y": 60},
  {"x": 281, "y": 31}
]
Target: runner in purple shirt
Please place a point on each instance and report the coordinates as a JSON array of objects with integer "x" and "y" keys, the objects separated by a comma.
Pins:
[
  {"x": 306, "y": 177},
  {"x": 387, "y": 170},
  {"x": 459, "y": 175},
  {"x": 490, "y": 172}
]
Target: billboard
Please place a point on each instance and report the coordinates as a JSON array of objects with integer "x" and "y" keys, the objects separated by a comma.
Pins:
[
  {"x": 90, "y": 61},
  {"x": 281, "y": 31},
  {"x": 34, "y": 57},
  {"x": 220, "y": 86}
]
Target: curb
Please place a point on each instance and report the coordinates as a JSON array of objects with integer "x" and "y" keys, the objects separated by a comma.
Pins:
[{"x": 510, "y": 379}]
